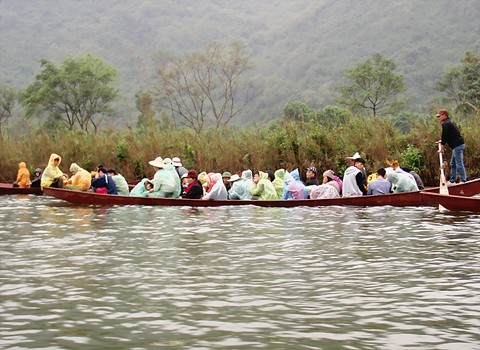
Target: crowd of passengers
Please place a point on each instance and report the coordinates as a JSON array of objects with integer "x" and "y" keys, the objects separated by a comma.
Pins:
[{"x": 172, "y": 180}]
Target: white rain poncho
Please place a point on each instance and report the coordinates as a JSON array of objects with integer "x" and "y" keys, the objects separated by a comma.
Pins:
[
  {"x": 402, "y": 182},
  {"x": 218, "y": 190}
]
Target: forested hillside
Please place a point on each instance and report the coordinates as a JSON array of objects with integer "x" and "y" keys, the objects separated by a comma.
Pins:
[{"x": 300, "y": 48}]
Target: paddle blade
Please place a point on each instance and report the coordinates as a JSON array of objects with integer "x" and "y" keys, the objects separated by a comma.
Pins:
[{"x": 443, "y": 180}]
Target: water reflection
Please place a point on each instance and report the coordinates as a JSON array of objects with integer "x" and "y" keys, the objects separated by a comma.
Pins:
[{"x": 242, "y": 278}]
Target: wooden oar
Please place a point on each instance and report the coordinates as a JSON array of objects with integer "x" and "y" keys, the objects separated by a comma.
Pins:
[{"x": 443, "y": 180}]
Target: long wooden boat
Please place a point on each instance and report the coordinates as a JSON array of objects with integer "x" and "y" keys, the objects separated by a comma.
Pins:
[
  {"x": 9, "y": 189},
  {"x": 455, "y": 203},
  {"x": 395, "y": 199}
]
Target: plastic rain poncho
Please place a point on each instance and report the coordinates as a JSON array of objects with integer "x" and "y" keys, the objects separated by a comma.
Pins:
[
  {"x": 122, "y": 185},
  {"x": 239, "y": 190},
  {"x": 350, "y": 187},
  {"x": 327, "y": 190},
  {"x": 164, "y": 184},
  {"x": 81, "y": 180},
  {"x": 278, "y": 182},
  {"x": 247, "y": 175},
  {"x": 178, "y": 183},
  {"x": 294, "y": 188},
  {"x": 23, "y": 175},
  {"x": 402, "y": 182},
  {"x": 140, "y": 190},
  {"x": 52, "y": 171},
  {"x": 218, "y": 190},
  {"x": 264, "y": 188}
]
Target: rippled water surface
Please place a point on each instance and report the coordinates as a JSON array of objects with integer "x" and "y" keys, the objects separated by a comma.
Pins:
[{"x": 236, "y": 277}]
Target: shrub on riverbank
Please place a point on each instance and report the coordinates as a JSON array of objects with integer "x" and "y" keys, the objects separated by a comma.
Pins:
[{"x": 283, "y": 144}]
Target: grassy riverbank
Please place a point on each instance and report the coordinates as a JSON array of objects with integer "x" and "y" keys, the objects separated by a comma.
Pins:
[{"x": 279, "y": 145}]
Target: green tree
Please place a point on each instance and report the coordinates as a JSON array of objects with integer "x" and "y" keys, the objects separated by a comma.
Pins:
[
  {"x": 461, "y": 84},
  {"x": 375, "y": 87},
  {"x": 8, "y": 98},
  {"x": 144, "y": 104},
  {"x": 205, "y": 87},
  {"x": 77, "y": 93}
]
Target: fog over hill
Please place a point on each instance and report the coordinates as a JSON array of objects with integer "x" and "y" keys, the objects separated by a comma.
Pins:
[{"x": 300, "y": 48}]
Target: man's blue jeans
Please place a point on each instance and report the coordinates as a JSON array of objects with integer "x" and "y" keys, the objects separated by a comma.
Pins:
[{"x": 456, "y": 164}]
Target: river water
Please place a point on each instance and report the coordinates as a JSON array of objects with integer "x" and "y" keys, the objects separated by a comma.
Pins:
[{"x": 75, "y": 277}]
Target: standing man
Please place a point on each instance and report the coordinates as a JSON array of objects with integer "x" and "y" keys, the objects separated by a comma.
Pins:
[{"x": 451, "y": 137}]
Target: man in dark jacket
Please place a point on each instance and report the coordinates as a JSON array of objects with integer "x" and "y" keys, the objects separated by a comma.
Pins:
[
  {"x": 194, "y": 189},
  {"x": 451, "y": 137},
  {"x": 103, "y": 180}
]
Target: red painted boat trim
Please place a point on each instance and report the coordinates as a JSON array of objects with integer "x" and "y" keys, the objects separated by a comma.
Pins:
[
  {"x": 455, "y": 203},
  {"x": 9, "y": 189},
  {"x": 395, "y": 199}
]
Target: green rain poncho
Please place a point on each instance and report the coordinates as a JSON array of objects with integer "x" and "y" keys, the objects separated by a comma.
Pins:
[{"x": 264, "y": 188}]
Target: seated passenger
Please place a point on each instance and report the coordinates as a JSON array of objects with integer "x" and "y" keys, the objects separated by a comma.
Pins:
[
  {"x": 263, "y": 189},
  {"x": 23, "y": 176},
  {"x": 142, "y": 188},
  {"x": 225, "y": 177},
  {"x": 37, "y": 178},
  {"x": 164, "y": 181},
  {"x": 247, "y": 175},
  {"x": 294, "y": 188},
  {"x": 380, "y": 185},
  {"x": 311, "y": 177},
  {"x": 53, "y": 176},
  {"x": 328, "y": 189},
  {"x": 80, "y": 179},
  {"x": 120, "y": 182},
  {"x": 103, "y": 183},
  {"x": 194, "y": 189},
  {"x": 353, "y": 180},
  {"x": 278, "y": 182},
  {"x": 402, "y": 182},
  {"x": 179, "y": 167},
  {"x": 238, "y": 188},
  {"x": 218, "y": 190}
]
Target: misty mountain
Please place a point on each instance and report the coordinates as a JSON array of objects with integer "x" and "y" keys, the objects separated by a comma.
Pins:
[{"x": 300, "y": 48}]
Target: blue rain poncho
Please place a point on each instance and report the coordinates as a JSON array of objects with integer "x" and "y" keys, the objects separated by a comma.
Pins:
[
  {"x": 140, "y": 190},
  {"x": 294, "y": 188},
  {"x": 239, "y": 190}
]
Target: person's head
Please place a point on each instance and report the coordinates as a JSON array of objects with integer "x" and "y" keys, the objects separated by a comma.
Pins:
[
  {"x": 359, "y": 163},
  {"x": 270, "y": 175},
  {"x": 148, "y": 185},
  {"x": 112, "y": 172},
  {"x": 157, "y": 163},
  {"x": 74, "y": 168},
  {"x": 442, "y": 115},
  {"x": 328, "y": 176},
  {"x": 311, "y": 172},
  {"x": 102, "y": 171},
  {"x": 100, "y": 166},
  {"x": 351, "y": 160},
  {"x": 176, "y": 162},
  {"x": 381, "y": 173},
  {"x": 256, "y": 177},
  {"x": 226, "y": 176},
  {"x": 191, "y": 176},
  {"x": 38, "y": 172}
]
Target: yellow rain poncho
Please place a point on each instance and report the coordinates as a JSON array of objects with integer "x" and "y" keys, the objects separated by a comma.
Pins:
[
  {"x": 23, "y": 175},
  {"x": 81, "y": 179},
  {"x": 52, "y": 171}
]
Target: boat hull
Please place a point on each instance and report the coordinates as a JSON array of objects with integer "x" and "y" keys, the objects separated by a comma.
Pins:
[
  {"x": 395, "y": 199},
  {"x": 9, "y": 189},
  {"x": 455, "y": 203}
]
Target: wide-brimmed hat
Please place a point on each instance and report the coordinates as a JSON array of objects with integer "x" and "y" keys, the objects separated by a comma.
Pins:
[
  {"x": 157, "y": 163},
  {"x": 234, "y": 177},
  {"x": 227, "y": 174},
  {"x": 176, "y": 161},
  {"x": 355, "y": 156}
]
